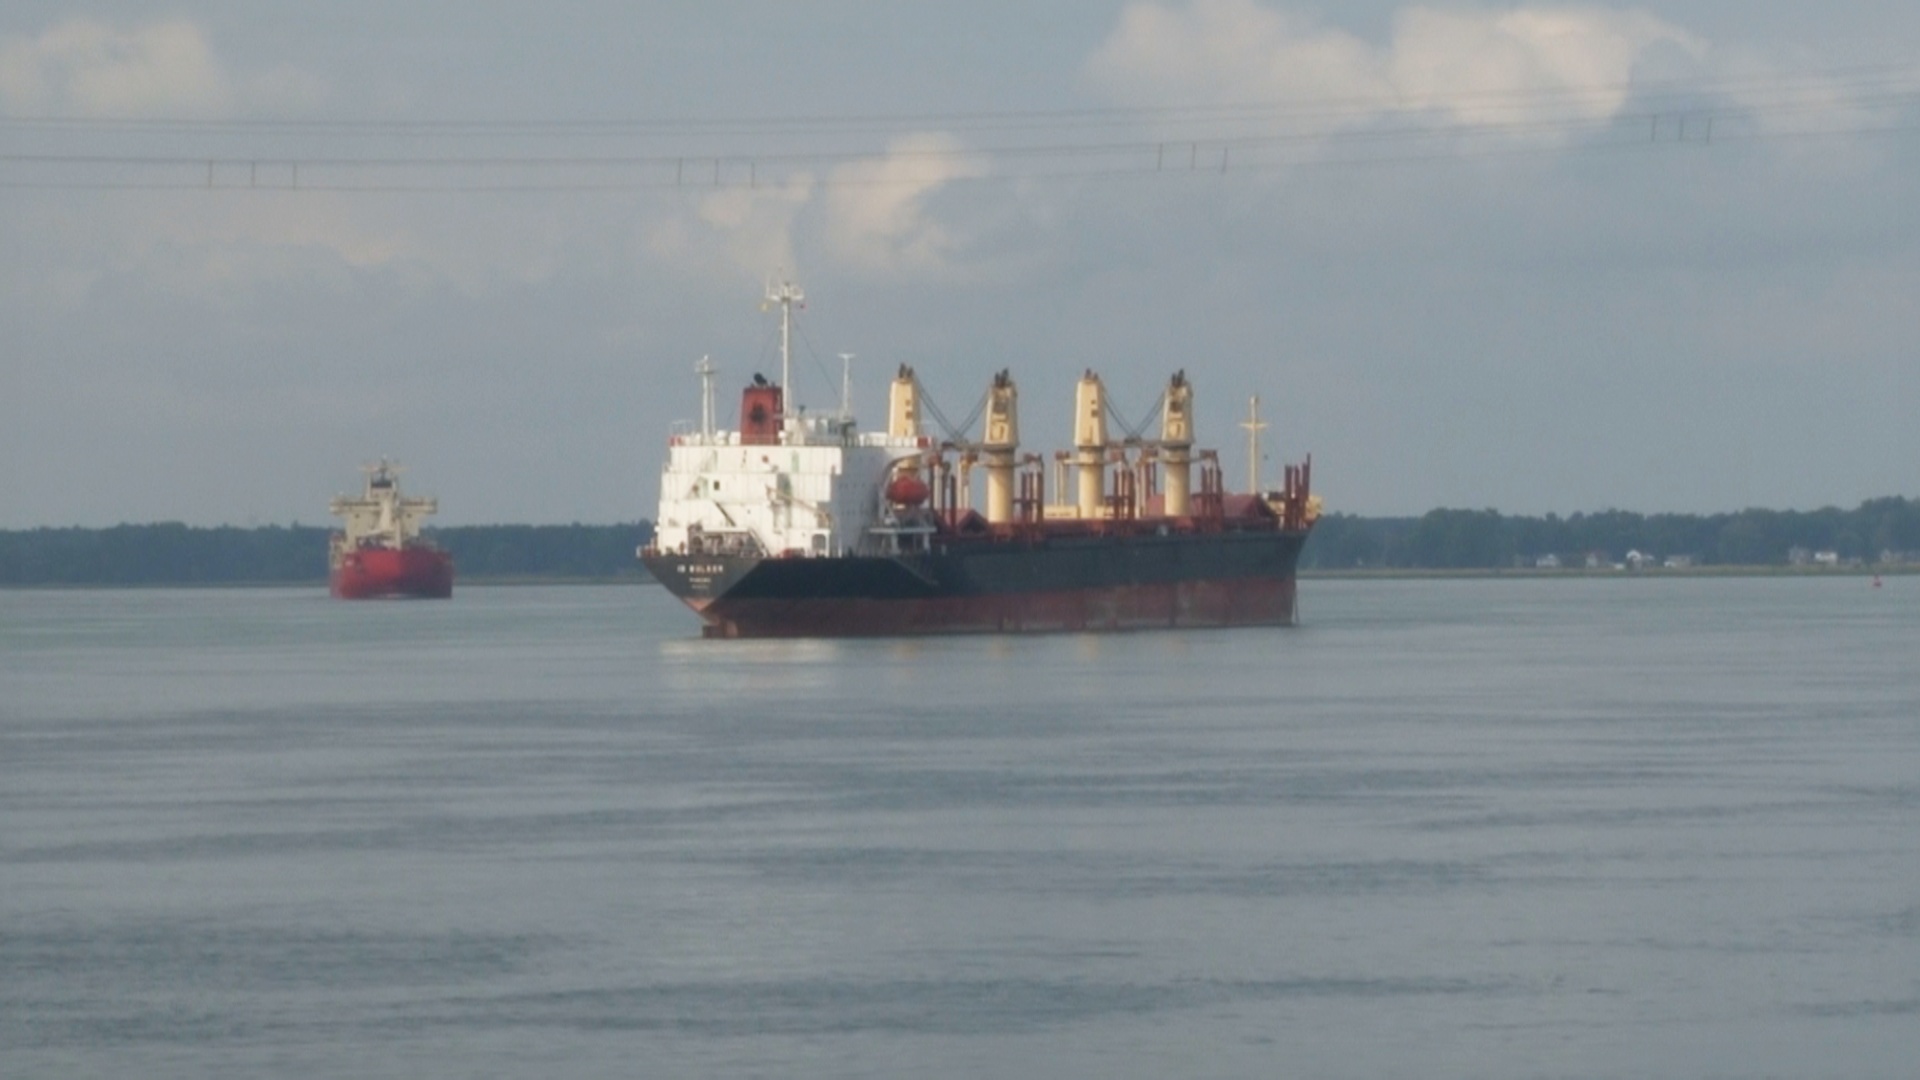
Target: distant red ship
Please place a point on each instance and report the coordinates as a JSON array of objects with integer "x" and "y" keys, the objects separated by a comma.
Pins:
[{"x": 379, "y": 551}]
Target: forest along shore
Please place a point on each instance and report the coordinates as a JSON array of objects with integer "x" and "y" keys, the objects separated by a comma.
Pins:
[
  {"x": 175, "y": 554},
  {"x": 1879, "y": 536}
]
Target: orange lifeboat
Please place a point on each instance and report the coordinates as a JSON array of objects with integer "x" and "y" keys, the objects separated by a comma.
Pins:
[{"x": 907, "y": 489}]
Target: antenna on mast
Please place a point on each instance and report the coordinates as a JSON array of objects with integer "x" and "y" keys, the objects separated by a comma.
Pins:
[
  {"x": 705, "y": 369},
  {"x": 786, "y": 294},
  {"x": 1254, "y": 425}
]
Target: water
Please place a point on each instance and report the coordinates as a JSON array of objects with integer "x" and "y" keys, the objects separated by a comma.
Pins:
[{"x": 1475, "y": 829}]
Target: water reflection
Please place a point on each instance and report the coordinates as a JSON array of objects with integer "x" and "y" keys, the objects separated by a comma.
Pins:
[{"x": 772, "y": 666}]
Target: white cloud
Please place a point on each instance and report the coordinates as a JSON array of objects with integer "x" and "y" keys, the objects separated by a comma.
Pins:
[
  {"x": 1232, "y": 51},
  {"x": 89, "y": 68},
  {"x": 1576, "y": 60},
  {"x": 872, "y": 215},
  {"x": 736, "y": 230},
  {"x": 194, "y": 247},
  {"x": 878, "y": 217},
  {"x": 85, "y": 67},
  {"x": 1470, "y": 66}
]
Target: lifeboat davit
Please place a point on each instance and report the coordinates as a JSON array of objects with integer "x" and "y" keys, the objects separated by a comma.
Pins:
[{"x": 907, "y": 489}]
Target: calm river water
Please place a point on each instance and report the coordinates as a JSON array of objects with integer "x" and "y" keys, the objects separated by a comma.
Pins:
[{"x": 1632, "y": 827}]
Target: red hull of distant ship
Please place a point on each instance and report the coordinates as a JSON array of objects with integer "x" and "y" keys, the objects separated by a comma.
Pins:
[{"x": 419, "y": 572}]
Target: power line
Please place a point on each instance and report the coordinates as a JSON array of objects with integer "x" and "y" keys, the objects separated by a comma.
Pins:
[
  {"x": 1138, "y": 172},
  {"x": 1827, "y": 81},
  {"x": 1394, "y": 139}
]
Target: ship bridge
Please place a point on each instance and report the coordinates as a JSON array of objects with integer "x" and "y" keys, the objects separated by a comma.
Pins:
[{"x": 785, "y": 481}]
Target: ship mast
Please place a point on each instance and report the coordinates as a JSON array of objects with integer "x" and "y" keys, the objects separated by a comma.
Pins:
[
  {"x": 705, "y": 370},
  {"x": 1253, "y": 424},
  {"x": 786, "y": 294}
]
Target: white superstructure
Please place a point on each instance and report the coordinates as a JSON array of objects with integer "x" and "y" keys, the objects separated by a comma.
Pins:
[
  {"x": 785, "y": 483},
  {"x": 380, "y": 517}
]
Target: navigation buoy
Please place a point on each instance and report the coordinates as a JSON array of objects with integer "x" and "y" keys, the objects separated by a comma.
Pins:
[{"x": 1876, "y": 581}]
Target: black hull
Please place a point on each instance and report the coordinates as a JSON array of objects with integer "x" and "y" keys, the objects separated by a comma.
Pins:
[{"x": 1034, "y": 584}]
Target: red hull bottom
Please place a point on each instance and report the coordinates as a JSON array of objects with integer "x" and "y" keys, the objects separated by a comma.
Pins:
[
  {"x": 1255, "y": 602},
  {"x": 369, "y": 573}
]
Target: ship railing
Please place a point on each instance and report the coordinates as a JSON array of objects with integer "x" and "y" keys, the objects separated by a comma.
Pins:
[
  {"x": 743, "y": 544},
  {"x": 898, "y": 539},
  {"x": 694, "y": 438}
]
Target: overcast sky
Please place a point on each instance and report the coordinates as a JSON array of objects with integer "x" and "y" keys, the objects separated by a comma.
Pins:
[{"x": 1467, "y": 255}]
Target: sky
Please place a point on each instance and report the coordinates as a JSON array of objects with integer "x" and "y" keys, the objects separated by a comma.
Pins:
[{"x": 1539, "y": 258}]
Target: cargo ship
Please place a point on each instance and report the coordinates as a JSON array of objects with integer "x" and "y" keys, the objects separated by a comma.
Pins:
[
  {"x": 798, "y": 524},
  {"x": 379, "y": 551}
]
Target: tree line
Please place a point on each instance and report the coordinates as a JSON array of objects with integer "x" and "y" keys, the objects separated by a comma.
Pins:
[
  {"x": 170, "y": 553},
  {"x": 1445, "y": 539},
  {"x": 1878, "y": 530}
]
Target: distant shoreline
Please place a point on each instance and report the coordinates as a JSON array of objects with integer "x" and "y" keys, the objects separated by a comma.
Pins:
[
  {"x": 1357, "y": 574},
  {"x": 512, "y": 581},
  {"x": 1610, "y": 573},
  {"x": 1880, "y": 536}
]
